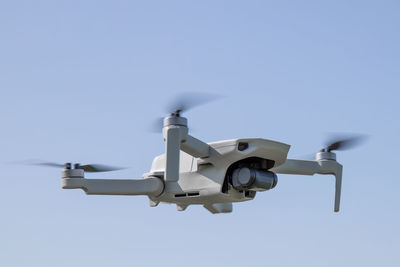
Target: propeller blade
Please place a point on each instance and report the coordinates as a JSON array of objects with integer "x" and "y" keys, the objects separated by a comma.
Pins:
[
  {"x": 338, "y": 142},
  {"x": 344, "y": 142},
  {"x": 182, "y": 103},
  {"x": 86, "y": 168},
  {"x": 50, "y": 164},
  {"x": 99, "y": 168},
  {"x": 36, "y": 162},
  {"x": 187, "y": 101}
]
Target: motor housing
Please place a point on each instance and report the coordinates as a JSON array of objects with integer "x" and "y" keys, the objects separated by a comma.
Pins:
[{"x": 246, "y": 178}]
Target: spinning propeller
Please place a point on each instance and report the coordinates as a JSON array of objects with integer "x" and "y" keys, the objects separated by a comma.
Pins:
[
  {"x": 343, "y": 143},
  {"x": 86, "y": 168},
  {"x": 182, "y": 103},
  {"x": 337, "y": 142}
]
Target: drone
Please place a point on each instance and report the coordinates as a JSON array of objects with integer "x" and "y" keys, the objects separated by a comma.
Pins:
[{"x": 214, "y": 175}]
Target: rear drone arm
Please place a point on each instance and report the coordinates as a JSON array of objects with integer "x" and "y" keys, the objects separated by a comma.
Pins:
[
  {"x": 73, "y": 179},
  {"x": 308, "y": 167}
]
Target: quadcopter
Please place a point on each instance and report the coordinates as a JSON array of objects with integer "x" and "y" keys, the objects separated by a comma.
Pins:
[{"x": 214, "y": 175}]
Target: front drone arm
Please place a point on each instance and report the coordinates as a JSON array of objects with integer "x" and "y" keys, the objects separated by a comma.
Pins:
[
  {"x": 150, "y": 186},
  {"x": 175, "y": 134},
  {"x": 308, "y": 167},
  {"x": 195, "y": 147}
]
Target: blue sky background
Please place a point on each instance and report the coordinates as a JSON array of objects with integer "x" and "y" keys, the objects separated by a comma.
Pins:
[{"x": 82, "y": 81}]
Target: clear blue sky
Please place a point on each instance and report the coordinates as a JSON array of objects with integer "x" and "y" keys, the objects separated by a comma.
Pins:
[{"x": 83, "y": 80}]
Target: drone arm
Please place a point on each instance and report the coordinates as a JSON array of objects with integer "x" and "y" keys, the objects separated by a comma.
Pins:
[
  {"x": 173, "y": 138},
  {"x": 307, "y": 167},
  {"x": 177, "y": 138},
  {"x": 151, "y": 186},
  {"x": 195, "y": 147},
  {"x": 294, "y": 166}
]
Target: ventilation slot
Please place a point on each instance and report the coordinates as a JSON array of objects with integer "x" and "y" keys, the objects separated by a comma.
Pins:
[{"x": 193, "y": 194}]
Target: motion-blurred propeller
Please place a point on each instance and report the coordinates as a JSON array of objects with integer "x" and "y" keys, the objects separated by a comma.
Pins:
[
  {"x": 86, "y": 167},
  {"x": 187, "y": 101},
  {"x": 343, "y": 142},
  {"x": 182, "y": 103},
  {"x": 338, "y": 142}
]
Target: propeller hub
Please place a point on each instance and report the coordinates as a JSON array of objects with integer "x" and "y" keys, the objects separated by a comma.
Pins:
[
  {"x": 176, "y": 113},
  {"x": 325, "y": 155},
  {"x": 72, "y": 173},
  {"x": 67, "y": 165}
]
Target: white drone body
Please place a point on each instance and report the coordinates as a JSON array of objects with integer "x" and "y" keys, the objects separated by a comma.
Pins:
[{"x": 214, "y": 175}]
